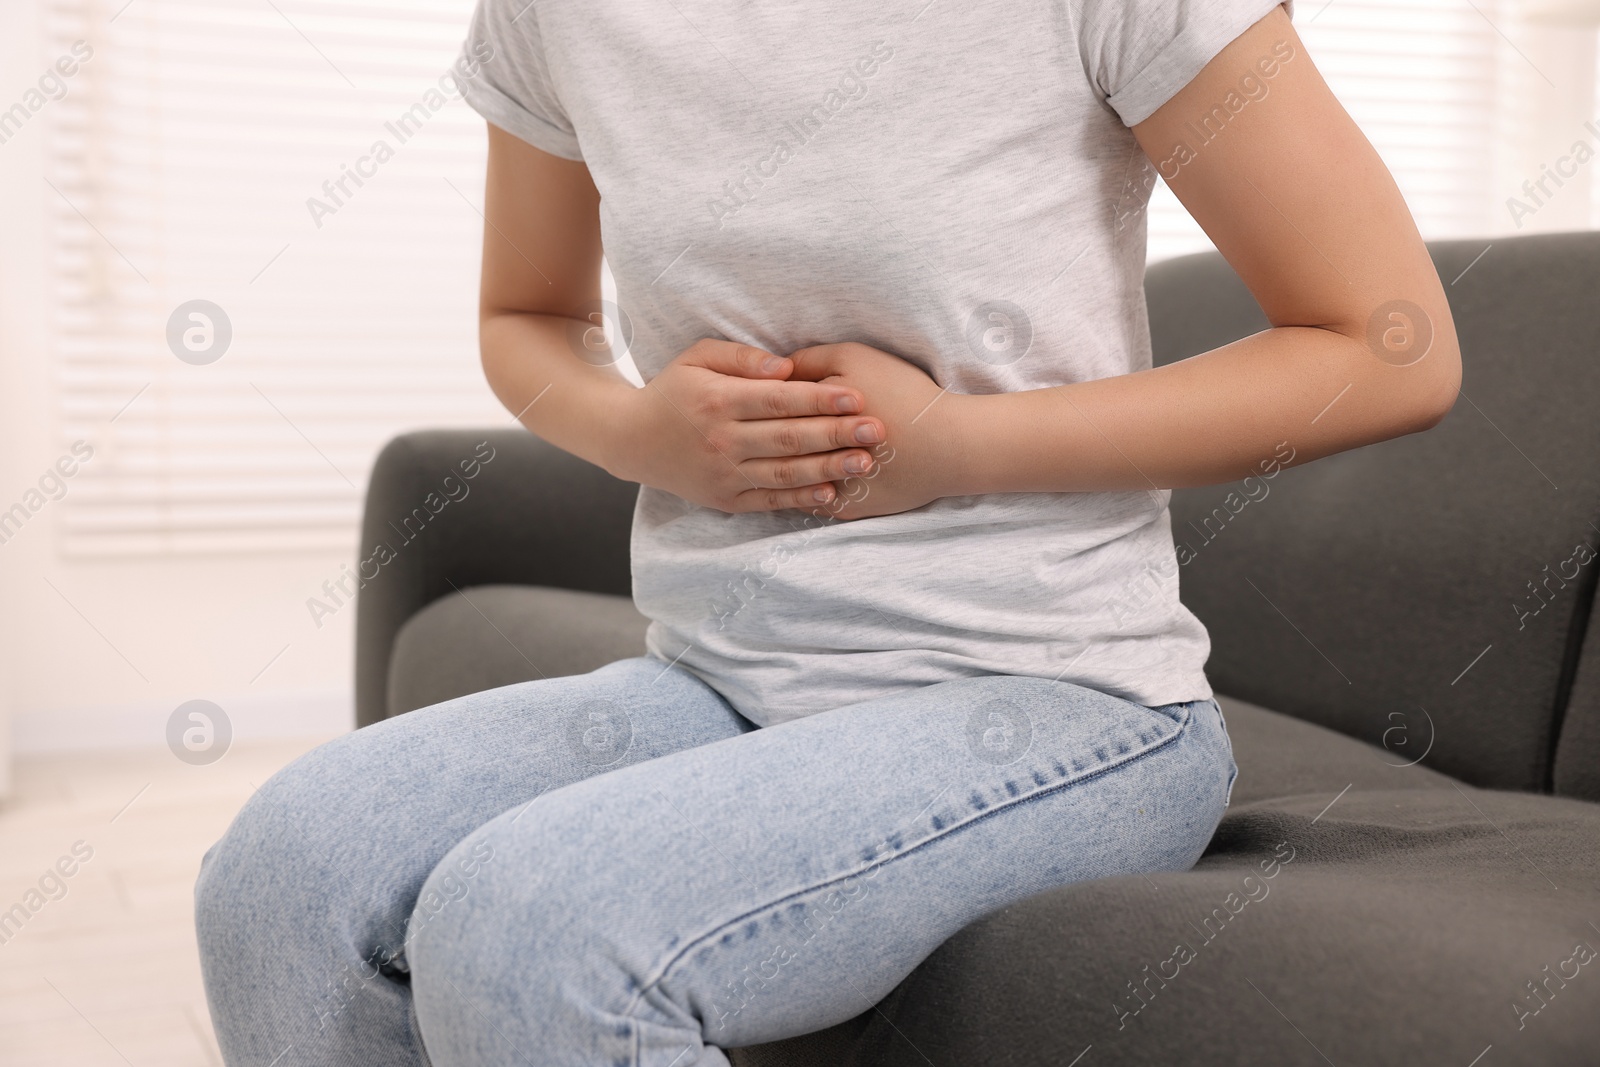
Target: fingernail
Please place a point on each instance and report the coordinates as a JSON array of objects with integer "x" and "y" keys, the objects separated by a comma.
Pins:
[
  {"x": 867, "y": 433},
  {"x": 772, "y": 364},
  {"x": 822, "y": 496},
  {"x": 847, "y": 405},
  {"x": 857, "y": 464}
]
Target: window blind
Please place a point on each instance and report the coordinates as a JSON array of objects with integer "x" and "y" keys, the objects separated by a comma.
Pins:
[
  {"x": 204, "y": 152},
  {"x": 1425, "y": 81}
]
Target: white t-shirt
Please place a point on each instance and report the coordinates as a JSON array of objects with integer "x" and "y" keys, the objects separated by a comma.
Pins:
[{"x": 953, "y": 183}]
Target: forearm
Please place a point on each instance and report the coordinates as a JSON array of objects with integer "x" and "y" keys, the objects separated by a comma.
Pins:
[
  {"x": 574, "y": 404},
  {"x": 1211, "y": 419}
]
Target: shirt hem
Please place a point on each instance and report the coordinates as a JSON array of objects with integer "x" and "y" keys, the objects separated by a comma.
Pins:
[{"x": 500, "y": 109}]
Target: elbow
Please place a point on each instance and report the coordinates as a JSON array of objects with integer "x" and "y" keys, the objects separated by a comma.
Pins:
[
  {"x": 492, "y": 327},
  {"x": 1434, "y": 392},
  {"x": 1418, "y": 389},
  {"x": 1433, "y": 413}
]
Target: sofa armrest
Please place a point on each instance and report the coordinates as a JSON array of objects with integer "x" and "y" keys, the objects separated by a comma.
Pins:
[{"x": 449, "y": 509}]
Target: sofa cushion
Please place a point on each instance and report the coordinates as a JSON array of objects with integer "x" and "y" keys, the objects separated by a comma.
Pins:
[
  {"x": 493, "y": 635},
  {"x": 1397, "y": 926},
  {"x": 1279, "y": 756}
]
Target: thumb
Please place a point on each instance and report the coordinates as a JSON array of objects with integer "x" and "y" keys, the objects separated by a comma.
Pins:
[{"x": 816, "y": 363}]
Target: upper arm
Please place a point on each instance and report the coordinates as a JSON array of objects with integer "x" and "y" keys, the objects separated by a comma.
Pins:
[
  {"x": 1295, "y": 198},
  {"x": 541, "y": 235}
]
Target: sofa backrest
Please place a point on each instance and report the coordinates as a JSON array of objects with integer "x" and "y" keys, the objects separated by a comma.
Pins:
[
  {"x": 447, "y": 510},
  {"x": 1430, "y": 593}
]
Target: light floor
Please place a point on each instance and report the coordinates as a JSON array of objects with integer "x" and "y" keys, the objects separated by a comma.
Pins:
[{"x": 107, "y": 975}]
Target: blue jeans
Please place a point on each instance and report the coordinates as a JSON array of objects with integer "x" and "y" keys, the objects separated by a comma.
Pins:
[{"x": 617, "y": 868}]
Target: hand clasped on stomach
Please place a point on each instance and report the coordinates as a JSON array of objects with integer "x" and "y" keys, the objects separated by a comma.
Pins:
[{"x": 844, "y": 430}]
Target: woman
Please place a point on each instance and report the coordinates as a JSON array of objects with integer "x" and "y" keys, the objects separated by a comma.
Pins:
[{"x": 917, "y": 650}]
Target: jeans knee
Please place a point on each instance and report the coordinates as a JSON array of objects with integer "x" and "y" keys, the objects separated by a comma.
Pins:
[
  {"x": 458, "y": 934},
  {"x": 274, "y": 854},
  {"x": 445, "y": 893},
  {"x": 510, "y": 915}
]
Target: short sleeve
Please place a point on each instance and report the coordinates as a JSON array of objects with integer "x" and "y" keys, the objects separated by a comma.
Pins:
[
  {"x": 1142, "y": 52},
  {"x": 510, "y": 83}
]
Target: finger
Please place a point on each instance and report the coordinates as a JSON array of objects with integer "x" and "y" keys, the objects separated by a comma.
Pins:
[
  {"x": 817, "y": 499},
  {"x": 786, "y": 400},
  {"x": 817, "y": 362},
  {"x": 803, "y": 436},
  {"x": 793, "y": 472},
  {"x": 737, "y": 360}
]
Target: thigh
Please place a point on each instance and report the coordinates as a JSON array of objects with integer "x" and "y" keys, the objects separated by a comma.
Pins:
[
  {"x": 786, "y": 879},
  {"x": 304, "y": 901}
]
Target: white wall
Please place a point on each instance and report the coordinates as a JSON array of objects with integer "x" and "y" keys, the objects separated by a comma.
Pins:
[
  {"x": 21, "y": 332},
  {"x": 1529, "y": 106},
  {"x": 1554, "y": 99},
  {"x": 142, "y": 635}
]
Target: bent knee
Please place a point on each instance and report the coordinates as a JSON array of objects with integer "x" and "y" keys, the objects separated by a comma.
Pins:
[
  {"x": 446, "y": 890},
  {"x": 276, "y": 849},
  {"x": 524, "y": 880},
  {"x": 507, "y": 927}
]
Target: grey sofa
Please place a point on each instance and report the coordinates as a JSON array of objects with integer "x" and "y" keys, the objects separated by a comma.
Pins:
[{"x": 1410, "y": 870}]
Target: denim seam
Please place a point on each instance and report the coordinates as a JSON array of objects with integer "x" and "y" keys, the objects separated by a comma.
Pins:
[{"x": 938, "y": 835}]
